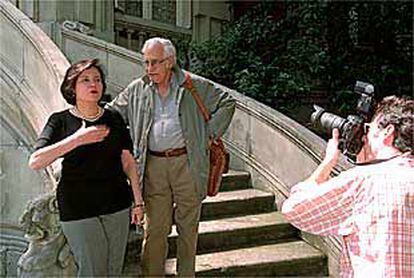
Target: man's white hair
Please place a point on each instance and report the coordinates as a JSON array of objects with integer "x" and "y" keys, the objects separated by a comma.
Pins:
[{"x": 169, "y": 49}]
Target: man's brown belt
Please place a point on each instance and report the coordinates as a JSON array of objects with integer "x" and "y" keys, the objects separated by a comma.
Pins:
[{"x": 169, "y": 153}]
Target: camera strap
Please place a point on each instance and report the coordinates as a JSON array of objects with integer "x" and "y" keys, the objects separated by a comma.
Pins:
[{"x": 376, "y": 161}]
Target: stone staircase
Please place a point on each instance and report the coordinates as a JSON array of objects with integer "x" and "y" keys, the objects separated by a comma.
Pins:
[{"x": 241, "y": 234}]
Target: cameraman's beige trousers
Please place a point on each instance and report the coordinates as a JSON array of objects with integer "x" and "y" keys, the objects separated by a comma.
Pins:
[{"x": 168, "y": 184}]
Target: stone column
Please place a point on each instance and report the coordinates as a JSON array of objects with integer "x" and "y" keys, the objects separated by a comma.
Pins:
[
  {"x": 129, "y": 37},
  {"x": 118, "y": 30},
  {"x": 104, "y": 20},
  {"x": 147, "y": 9},
  {"x": 184, "y": 14},
  {"x": 28, "y": 7},
  {"x": 141, "y": 39},
  {"x": 85, "y": 11}
]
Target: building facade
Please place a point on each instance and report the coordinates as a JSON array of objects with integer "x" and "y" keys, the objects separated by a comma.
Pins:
[{"x": 129, "y": 23}]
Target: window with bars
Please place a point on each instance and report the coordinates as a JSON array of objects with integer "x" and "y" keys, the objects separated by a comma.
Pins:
[
  {"x": 164, "y": 11},
  {"x": 131, "y": 7}
]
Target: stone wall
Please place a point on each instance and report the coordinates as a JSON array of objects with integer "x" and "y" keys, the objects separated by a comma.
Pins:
[
  {"x": 209, "y": 18},
  {"x": 121, "y": 66},
  {"x": 31, "y": 68},
  {"x": 97, "y": 14}
]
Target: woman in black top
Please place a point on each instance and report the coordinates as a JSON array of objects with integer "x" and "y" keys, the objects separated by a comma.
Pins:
[{"x": 93, "y": 194}]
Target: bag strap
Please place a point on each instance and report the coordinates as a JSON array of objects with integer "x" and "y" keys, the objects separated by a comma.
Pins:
[{"x": 188, "y": 84}]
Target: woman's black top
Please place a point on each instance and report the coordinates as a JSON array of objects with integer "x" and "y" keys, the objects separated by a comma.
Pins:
[{"x": 92, "y": 182}]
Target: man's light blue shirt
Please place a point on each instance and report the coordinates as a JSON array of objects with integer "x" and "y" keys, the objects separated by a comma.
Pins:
[{"x": 166, "y": 132}]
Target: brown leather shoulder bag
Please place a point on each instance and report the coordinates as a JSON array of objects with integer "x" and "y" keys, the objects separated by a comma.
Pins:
[{"x": 219, "y": 156}]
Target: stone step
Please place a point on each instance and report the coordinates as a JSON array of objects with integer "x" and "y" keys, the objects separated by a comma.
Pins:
[
  {"x": 235, "y": 180},
  {"x": 295, "y": 258},
  {"x": 241, "y": 234},
  {"x": 236, "y": 203},
  {"x": 229, "y": 233},
  {"x": 284, "y": 259},
  {"x": 238, "y": 232}
]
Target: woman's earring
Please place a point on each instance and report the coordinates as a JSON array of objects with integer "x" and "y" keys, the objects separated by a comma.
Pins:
[{"x": 73, "y": 94}]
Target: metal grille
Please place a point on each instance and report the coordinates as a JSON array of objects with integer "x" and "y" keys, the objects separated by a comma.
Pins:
[
  {"x": 164, "y": 11},
  {"x": 131, "y": 7}
]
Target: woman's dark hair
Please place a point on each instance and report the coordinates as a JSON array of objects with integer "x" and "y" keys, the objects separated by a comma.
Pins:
[
  {"x": 69, "y": 82},
  {"x": 399, "y": 112}
]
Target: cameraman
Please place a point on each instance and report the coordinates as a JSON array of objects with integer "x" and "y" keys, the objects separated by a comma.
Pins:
[{"x": 370, "y": 206}]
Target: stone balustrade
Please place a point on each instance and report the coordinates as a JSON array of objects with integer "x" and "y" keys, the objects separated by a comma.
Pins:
[{"x": 31, "y": 68}]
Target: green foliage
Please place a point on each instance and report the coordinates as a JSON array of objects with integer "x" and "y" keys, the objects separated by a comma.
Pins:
[
  {"x": 370, "y": 42},
  {"x": 281, "y": 52}
]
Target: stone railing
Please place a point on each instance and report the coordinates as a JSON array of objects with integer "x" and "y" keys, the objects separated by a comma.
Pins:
[
  {"x": 31, "y": 68},
  {"x": 277, "y": 152}
]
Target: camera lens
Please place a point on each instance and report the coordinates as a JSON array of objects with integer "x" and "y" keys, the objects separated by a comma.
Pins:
[{"x": 326, "y": 120}]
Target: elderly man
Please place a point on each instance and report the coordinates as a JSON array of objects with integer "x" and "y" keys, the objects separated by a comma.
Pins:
[
  {"x": 370, "y": 206},
  {"x": 171, "y": 143}
]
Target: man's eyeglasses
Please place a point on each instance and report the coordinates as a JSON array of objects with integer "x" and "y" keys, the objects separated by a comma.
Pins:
[
  {"x": 154, "y": 62},
  {"x": 367, "y": 126}
]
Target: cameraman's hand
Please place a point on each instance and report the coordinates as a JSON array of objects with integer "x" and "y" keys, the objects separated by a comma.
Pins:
[
  {"x": 332, "y": 151},
  {"x": 321, "y": 174}
]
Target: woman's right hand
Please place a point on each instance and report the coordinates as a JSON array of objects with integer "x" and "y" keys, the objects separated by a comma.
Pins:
[
  {"x": 84, "y": 135},
  {"x": 92, "y": 134}
]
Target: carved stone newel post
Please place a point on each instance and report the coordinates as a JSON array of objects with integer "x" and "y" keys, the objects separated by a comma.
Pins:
[{"x": 48, "y": 254}]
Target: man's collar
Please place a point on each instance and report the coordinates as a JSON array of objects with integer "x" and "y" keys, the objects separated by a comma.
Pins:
[{"x": 179, "y": 75}]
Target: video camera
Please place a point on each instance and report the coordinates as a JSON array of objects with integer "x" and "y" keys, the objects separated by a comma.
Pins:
[{"x": 351, "y": 129}]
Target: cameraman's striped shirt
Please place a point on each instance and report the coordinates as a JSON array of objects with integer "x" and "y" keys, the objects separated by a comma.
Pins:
[{"x": 372, "y": 208}]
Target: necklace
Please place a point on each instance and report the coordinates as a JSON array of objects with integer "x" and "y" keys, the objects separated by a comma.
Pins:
[{"x": 75, "y": 111}]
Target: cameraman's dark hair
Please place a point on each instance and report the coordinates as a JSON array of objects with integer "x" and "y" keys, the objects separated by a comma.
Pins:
[
  {"x": 398, "y": 111},
  {"x": 69, "y": 82}
]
